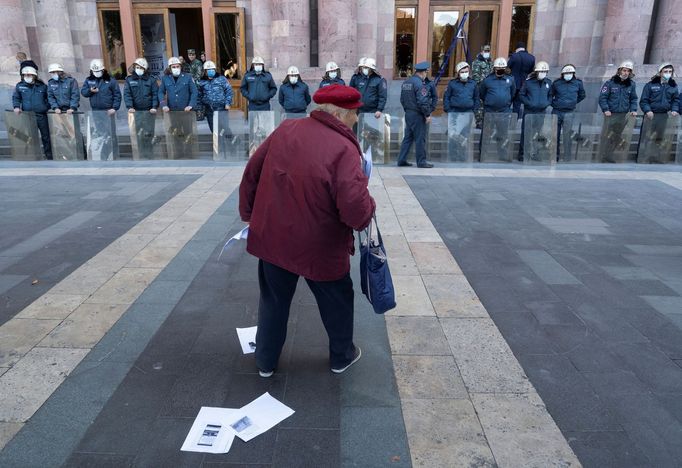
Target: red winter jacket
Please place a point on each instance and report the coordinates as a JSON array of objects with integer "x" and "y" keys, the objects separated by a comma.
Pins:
[{"x": 303, "y": 192}]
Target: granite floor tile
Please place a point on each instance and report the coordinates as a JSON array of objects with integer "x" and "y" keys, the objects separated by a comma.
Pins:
[
  {"x": 428, "y": 377},
  {"x": 19, "y": 336},
  {"x": 411, "y": 297},
  {"x": 417, "y": 336}
]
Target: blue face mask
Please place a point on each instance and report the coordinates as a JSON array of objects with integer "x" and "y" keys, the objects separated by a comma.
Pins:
[{"x": 210, "y": 73}]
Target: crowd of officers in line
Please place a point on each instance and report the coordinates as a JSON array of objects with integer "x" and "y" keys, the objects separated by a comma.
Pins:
[{"x": 495, "y": 86}]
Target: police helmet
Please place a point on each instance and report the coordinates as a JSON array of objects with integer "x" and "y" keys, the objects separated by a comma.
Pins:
[
  {"x": 627, "y": 64},
  {"x": 665, "y": 65},
  {"x": 362, "y": 61},
  {"x": 174, "y": 61},
  {"x": 209, "y": 65},
  {"x": 331, "y": 66},
  {"x": 568, "y": 69},
  {"x": 500, "y": 62},
  {"x": 141, "y": 62},
  {"x": 371, "y": 63},
  {"x": 461, "y": 66},
  {"x": 55, "y": 67},
  {"x": 292, "y": 70},
  {"x": 257, "y": 60},
  {"x": 96, "y": 65},
  {"x": 542, "y": 67},
  {"x": 29, "y": 71}
]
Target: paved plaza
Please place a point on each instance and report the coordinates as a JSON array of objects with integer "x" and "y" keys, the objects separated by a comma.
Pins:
[{"x": 539, "y": 321}]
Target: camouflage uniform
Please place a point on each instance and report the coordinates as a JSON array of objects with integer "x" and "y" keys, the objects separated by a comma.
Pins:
[
  {"x": 480, "y": 69},
  {"x": 196, "y": 69}
]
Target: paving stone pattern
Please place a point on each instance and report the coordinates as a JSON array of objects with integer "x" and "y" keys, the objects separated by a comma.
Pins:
[{"x": 583, "y": 278}]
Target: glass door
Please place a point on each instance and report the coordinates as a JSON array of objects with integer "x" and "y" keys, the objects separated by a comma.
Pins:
[
  {"x": 481, "y": 28},
  {"x": 444, "y": 23},
  {"x": 154, "y": 39},
  {"x": 228, "y": 48}
]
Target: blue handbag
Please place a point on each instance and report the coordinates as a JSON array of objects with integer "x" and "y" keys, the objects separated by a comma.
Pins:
[{"x": 375, "y": 276}]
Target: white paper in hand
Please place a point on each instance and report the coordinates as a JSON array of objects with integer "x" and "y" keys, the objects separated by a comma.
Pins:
[
  {"x": 210, "y": 432},
  {"x": 247, "y": 339},
  {"x": 261, "y": 415},
  {"x": 243, "y": 234},
  {"x": 367, "y": 164}
]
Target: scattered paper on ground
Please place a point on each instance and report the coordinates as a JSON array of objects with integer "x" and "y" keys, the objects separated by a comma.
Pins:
[
  {"x": 247, "y": 338},
  {"x": 262, "y": 414},
  {"x": 210, "y": 433}
]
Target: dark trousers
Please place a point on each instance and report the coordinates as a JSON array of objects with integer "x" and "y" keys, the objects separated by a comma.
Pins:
[
  {"x": 415, "y": 132},
  {"x": 522, "y": 143},
  {"x": 334, "y": 299},
  {"x": 41, "y": 121}
]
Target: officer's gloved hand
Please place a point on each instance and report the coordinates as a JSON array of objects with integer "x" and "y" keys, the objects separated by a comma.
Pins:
[
  {"x": 57, "y": 111},
  {"x": 188, "y": 108},
  {"x": 152, "y": 111},
  {"x": 131, "y": 111},
  {"x": 428, "y": 119},
  {"x": 649, "y": 115},
  {"x": 377, "y": 114},
  {"x": 673, "y": 113},
  {"x": 166, "y": 108},
  {"x": 111, "y": 111},
  {"x": 634, "y": 114},
  {"x": 69, "y": 111},
  {"x": 17, "y": 110},
  {"x": 227, "y": 107},
  {"x": 607, "y": 113}
]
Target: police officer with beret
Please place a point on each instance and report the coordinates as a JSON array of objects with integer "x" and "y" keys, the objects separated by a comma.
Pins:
[{"x": 415, "y": 97}]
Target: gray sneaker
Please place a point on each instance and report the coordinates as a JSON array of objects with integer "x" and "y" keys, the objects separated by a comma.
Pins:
[
  {"x": 358, "y": 354},
  {"x": 265, "y": 374}
]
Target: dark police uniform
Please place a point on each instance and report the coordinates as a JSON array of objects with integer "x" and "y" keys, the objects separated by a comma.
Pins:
[
  {"x": 33, "y": 98},
  {"x": 258, "y": 89},
  {"x": 619, "y": 97},
  {"x": 536, "y": 96},
  {"x": 142, "y": 94},
  {"x": 179, "y": 93},
  {"x": 659, "y": 97},
  {"x": 417, "y": 101},
  {"x": 374, "y": 92},
  {"x": 565, "y": 97},
  {"x": 294, "y": 98}
]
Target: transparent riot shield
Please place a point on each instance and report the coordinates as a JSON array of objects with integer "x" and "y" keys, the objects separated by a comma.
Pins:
[
  {"x": 656, "y": 139},
  {"x": 66, "y": 136},
  {"x": 578, "y": 136},
  {"x": 181, "y": 134},
  {"x": 100, "y": 136},
  {"x": 230, "y": 136},
  {"x": 539, "y": 142},
  {"x": 291, "y": 115},
  {"x": 22, "y": 132},
  {"x": 375, "y": 135},
  {"x": 261, "y": 125},
  {"x": 146, "y": 135},
  {"x": 497, "y": 138},
  {"x": 615, "y": 138},
  {"x": 460, "y": 136}
]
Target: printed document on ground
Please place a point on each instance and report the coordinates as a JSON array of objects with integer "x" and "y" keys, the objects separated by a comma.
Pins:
[
  {"x": 247, "y": 339},
  {"x": 259, "y": 416},
  {"x": 210, "y": 432}
]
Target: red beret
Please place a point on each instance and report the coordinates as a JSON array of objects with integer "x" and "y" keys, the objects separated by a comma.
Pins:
[{"x": 339, "y": 95}]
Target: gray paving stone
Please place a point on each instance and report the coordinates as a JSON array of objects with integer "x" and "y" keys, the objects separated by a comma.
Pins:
[
  {"x": 7, "y": 282},
  {"x": 607, "y": 448},
  {"x": 386, "y": 447}
]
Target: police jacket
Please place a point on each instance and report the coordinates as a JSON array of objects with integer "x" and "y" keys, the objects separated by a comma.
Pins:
[
  {"x": 294, "y": 98},
  {"x": 178, "y": 93},
  {"x": 536, "y": 95},
  {"x": 374, "y": 93},
  {"x": 141, "y": 92},
  {"x": 354, "y": 79},
  {"x": 63, "y": 93},
  {"x": 659, "y": 98},
  {"x": 497, "y": 92},
  {"x": 108, "y": 95},
  {"x": 215, "y": 94},
  {"x": 521, "y": 64},
  {"x": 461, "y": 96},
  {"x": 433, "y": 94},
  {"x": 567, "y": 94},
  {"x": 618, "y": 96},
  {"x": 258, "y": 89},
  {"x": 31, "y": 97},
  {"x": 327, "y": 82},
  {"x": 415, "y": 96}
]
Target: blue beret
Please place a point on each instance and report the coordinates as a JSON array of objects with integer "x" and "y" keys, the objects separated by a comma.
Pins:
[{"x": 422, "y": 66}]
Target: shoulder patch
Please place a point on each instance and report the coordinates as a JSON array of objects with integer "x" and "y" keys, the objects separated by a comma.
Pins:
[
  {"x": 605, "y": 88},
  {"x": 424, "y": 92}
]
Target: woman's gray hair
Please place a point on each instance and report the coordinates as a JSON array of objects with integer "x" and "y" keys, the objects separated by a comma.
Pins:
[{"x": 338, "y": 112}]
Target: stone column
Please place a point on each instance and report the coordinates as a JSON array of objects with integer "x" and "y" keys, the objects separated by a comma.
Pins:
[
  {"x": 547, "y": 33},
  {"x": 337, "y": 26},
  {"x": 260, "y": 32},
  {"x": 577, "y": 31},
  {"x": 667, "y": 35},
  {"x": 366, "y": 29},
  {"x": 13, "y": 39},
  {"x": 290, "y": 33},
  {"x": 626, "y": 30},
  {"x": 54, "y": 33},
  {"x": 504, "y": 30}
]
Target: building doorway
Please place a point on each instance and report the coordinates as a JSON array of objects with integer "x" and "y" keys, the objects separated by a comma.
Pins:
[{"x": 187, "y": 31}]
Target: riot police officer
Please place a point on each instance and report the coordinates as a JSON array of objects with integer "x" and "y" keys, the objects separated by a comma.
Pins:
[
  {"x": 141, "y": 94},
  {"x": 497, "y": 92},
  {"x": 567, "y": 92},
  {"x": 215, "y": 92},
  {"x": 536, "y": 96},
  {"x": 30, "y": 95},
  {"x": 372, "y": 87},
  {"x": 332, "y": 75},
  {"x": 62, "y": 90},
  {"x": 258, "y": 87},
  {"x": 358, "y": 74},
  {"x": 415, "y": 97},
  {"x": 617, "y": 100},
  {"x": 177, "y": 91},
  {"x": 102, "y": 90},
  {"x": 659, "y": 97},
  {"x": 294, "y": 95}
]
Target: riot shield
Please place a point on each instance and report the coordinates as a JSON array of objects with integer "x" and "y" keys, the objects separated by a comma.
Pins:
[
  {"x": 539, "y": 145},
  {"x": 261, "y": 125},
  {"x": 291, "y": 115},
  {"x": 181, "y": 134},
  {"x": 230, "y": 136},
  {"x": 460, "y": 136},
  {"x": 656, "y": 139},
  {"x": 22, "y": 132},
  {"x": 146, "y": 139},
  {"x": 66, "y": 136},
  {"x": 100, "y": 136},
  {"x": 497, "y": 138},
  {"x": 375, "y": 134},
  {"x": 615, "y": 138},
  {"x": 578, "y": 136}
]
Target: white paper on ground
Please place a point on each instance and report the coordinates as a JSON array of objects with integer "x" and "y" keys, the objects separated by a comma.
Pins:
[
  {"x": 247, "y": 338},
  {"x": 259, "y": 416},
  {"x": 243, "y": 234},
  {"x": 210, "y": 432}
]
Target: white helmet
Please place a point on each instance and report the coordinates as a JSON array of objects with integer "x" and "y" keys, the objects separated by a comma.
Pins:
[
  {"x": 257, "y": 59},
  {"x": 292, "y": 70},
  {"x": 174, "y": 61},
  {"x": 209, "y": 65},
  {"x": 55, "y": 67},
  {"x": 500, "y": 62},
  {"x": 362, "y": 61},
  {"x": 142, "y": 62},
  {"x": 29, "y": 71},
  {"x": 542, "y": 67},
  {"x": 371, "y": 63},
  {"x": 568, "y": 69},
  {"x": 331, "y": 66},
  {"x": 665, "y": 65},
  {"x": 460, "y": 66},
  {"x": 627, "y": 64},
  {"x": 96, "y": 65}
]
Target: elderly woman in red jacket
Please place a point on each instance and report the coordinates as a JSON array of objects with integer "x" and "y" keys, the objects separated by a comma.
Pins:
[{"x": 303, "y": 193}]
